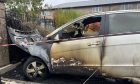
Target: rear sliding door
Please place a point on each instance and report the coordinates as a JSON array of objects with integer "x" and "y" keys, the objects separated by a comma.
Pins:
[{"x": 122, "y": 44}]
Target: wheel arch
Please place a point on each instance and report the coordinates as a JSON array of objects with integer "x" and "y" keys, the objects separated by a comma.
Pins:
[{"x": 45, "y": 60}]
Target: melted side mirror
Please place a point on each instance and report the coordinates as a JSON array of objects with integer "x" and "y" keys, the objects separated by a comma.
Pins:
[{"x": 56, "y": 39}]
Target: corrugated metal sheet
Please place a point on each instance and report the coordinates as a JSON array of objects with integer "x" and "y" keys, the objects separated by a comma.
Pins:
[{"x": 92, "y": 3}]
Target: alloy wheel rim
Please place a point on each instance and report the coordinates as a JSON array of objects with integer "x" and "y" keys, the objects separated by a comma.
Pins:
[{"x": 35, "y": 69}]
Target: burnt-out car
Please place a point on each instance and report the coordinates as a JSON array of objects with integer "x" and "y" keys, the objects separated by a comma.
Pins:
[{"x": 114, "y": 52}]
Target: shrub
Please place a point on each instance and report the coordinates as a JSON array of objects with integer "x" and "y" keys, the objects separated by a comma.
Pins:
[{"x": 63, "y": 16}]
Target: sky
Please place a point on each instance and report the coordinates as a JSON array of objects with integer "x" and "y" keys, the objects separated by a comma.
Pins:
[{"x": 56, "y": 2}]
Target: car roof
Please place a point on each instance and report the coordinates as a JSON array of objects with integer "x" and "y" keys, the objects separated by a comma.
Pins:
[{"x": 92, "y": 14}]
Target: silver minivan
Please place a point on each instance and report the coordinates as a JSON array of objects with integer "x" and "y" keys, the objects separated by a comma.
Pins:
[{"x": 113, "y": 53}]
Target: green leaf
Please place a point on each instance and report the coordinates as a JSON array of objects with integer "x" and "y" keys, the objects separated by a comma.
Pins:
[{"x": 24, "y": 7}]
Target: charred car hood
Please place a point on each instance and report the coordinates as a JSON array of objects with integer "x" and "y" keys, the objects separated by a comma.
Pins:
[{"x": 30, "y": 41}]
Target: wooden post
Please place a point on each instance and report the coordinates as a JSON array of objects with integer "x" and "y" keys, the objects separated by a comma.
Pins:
[{"x": 4, "y": 51}]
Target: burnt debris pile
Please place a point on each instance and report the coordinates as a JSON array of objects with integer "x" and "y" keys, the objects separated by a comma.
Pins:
[{"x": 16, "y": 24}]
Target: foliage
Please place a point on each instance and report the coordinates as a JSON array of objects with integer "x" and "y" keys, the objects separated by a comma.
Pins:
[
  {"x": 24, "y": 8},
  {"x": 63, "y": 16}
]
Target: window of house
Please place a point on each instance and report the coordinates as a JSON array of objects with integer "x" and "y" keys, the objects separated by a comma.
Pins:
[
  {"x": 47, "y": 13},
  {"x": 97, "y": 9},
  {"x": 125, "y": 22},
  {"x": 129, "y": 6},
  {"x": 138, "y": 5},
  {"x": 125, "y": 7}
]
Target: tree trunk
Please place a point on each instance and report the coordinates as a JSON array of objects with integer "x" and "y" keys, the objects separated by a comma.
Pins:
[{"x": 4, "y": 51}]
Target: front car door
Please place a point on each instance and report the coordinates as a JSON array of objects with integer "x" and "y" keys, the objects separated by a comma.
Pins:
[
  {"x": 77, "y": 54},
  {"x": 122, "y": 56}
]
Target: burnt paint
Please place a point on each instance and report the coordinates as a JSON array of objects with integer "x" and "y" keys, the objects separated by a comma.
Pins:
[
  {"x": 73, "y": 66},
  {"x": 68, "y": 57},
  {"x": 42, "y": 51}
]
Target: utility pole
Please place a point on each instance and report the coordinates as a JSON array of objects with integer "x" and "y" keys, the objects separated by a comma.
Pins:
[{"x": 4, "y": 51}]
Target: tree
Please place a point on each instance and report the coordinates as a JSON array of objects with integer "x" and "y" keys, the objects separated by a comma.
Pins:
[{"x": 24, "y": 8}]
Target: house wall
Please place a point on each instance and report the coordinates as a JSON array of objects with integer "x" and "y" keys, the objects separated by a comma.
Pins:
[
  {"x": 92, "y": 9},
  {"x": 113, "y": 7},
  {"x": 84, "y": 10},
  {"x": 49, "y": 13},
  {"x": 4, "y": 51}
]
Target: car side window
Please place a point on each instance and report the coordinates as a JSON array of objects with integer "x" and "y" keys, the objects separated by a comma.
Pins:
[
  {"x": 72, "y": 31},
  {"x": 124, "y": 22},
  {"x": 89, "y": 26}
]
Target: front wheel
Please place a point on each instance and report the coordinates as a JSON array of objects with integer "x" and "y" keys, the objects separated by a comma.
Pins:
[{"x": 35, "y": 69}]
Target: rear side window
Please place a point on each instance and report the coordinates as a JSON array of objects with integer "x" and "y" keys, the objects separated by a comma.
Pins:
[{"x": 124, "y": 22}]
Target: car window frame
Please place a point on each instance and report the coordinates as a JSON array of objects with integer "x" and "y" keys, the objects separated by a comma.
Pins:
[
  {"x": 116, "y": 34},
  {"x": 103, "y": 27}
]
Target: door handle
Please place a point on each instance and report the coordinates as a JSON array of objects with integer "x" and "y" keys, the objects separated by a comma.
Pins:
[{"x": 94, "y": 43}]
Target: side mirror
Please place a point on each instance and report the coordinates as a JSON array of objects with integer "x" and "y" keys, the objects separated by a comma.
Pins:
[{"x": 56, "y": 39}]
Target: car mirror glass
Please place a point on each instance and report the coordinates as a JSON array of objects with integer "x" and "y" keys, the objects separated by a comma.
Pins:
[{"x": 56, "y": 37}]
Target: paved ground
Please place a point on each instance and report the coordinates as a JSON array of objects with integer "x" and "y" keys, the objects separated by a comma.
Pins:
[{"x": 17, "y": 76}]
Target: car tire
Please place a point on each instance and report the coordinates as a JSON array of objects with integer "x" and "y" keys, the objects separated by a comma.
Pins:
[{"x": 35, "y": 69}]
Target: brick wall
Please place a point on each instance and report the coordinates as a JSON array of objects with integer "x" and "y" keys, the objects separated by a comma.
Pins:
[{"x": 4, "y": 52}]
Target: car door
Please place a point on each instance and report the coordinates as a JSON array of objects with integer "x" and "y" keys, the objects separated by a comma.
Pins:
[
  {"x": 78, "y": 55},
  {"x": 121, "y": 57}
]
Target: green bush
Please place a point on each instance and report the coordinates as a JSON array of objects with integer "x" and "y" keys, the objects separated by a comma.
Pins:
[{"x": 63, "y": 16}]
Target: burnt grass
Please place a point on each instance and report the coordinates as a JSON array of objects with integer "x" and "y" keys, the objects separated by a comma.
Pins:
[{"x": 62, "y": 78}]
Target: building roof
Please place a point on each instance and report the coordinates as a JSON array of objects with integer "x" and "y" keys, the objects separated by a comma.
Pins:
[{"x": 92, "y": 3}]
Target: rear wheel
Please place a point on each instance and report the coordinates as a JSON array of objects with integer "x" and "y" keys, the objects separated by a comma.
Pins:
[{"x": 35, "y": 69}]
